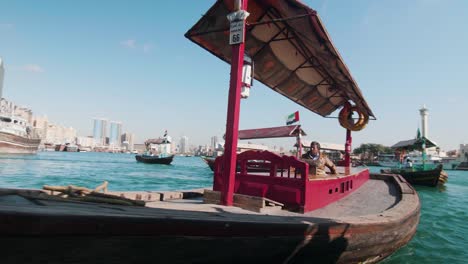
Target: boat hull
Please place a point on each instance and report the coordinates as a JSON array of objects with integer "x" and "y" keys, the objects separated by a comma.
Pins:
[
  {"x": 121, "y": 234},
  {"x": 430, "y": 178},
  {"x": 14, "y": 144},
  {"x": 154, "y": 160}
]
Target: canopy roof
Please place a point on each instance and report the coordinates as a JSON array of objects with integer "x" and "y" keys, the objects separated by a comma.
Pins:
[
  {"x": 164, "y": 140},
  {"x": 323, "y": 145},
  {"x": 271, "y": 132},
  {"x": 292, "y": 52},
  {"x": 414, "y": 144}
]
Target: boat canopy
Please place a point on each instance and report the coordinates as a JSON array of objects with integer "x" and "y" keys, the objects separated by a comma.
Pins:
[
  {"x": 414, "y": 144},
  {"x": 157, "y": 141},
  {"x": 291, "y": 50},
  {"x": 272, "y": 132},
  {"x": 323, "y": 145}
]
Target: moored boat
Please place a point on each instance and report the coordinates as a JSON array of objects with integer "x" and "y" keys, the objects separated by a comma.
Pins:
[{"x": 16, "y": 136}]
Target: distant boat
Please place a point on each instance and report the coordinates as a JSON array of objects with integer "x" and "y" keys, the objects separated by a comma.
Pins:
[
  {"x": 155, "y": 159},
  {"x": 71, "y": 148},
  {"x": 421, "y": 176},
  {"x": 158, "y": 151},
  {"x": 16, "y": 136},
  {"x": 424, "y": 172}
]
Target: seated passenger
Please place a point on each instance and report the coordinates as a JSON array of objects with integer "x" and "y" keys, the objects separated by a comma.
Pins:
[
  {"x": 318, "y": 160},
  {"x": 408, "y": 163}
]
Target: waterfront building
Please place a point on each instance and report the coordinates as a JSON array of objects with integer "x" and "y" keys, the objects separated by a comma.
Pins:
[
  {"x": 2, "y": 72},
  {"x": 115, "y": 134},
  {"x": 129, "y": 140},
  {"x": 100, "y": 131},
  {"x": 214, "y": 141},
  {"x": 85, "y": 142},
  {"x": 57, "y": 134},
  {"x": 184, "y": 145},
  {"x": 40, "y": 125}
]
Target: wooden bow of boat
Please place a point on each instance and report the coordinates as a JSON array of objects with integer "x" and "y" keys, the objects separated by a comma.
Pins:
[{"x": 365, "y": 226}]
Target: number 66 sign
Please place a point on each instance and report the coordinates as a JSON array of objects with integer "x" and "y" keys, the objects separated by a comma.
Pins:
[{"x": 236, "y": 32}]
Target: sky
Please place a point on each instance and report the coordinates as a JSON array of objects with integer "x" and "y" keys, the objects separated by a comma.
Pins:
[{"x": 129, "y": 61}]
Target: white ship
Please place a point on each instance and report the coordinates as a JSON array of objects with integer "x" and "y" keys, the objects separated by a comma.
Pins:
[{"x": 16, "y": 136}]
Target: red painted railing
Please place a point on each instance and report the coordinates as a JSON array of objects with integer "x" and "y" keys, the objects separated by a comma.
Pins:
[{"x": 285, "y": 179}]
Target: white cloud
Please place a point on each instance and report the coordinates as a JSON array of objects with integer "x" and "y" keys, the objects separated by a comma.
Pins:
[
  {"x": 132, "y": 44},
  {"x": 147, "y": 47},
  {"x": 129, "y": 43},
  {"x": 33, "y": 68}
]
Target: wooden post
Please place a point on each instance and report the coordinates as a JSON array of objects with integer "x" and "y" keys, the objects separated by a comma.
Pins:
[
  {"x": 348, "y": 143},
  {"x": 232, "y": 123}
]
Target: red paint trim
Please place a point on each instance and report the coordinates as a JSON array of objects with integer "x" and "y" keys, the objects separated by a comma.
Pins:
[
  {"x": 232, "y": 123},
  {"x": 288, "y": 181}
]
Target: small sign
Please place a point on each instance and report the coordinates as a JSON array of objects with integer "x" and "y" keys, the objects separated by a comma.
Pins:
[{"x": 236, "y": 32}]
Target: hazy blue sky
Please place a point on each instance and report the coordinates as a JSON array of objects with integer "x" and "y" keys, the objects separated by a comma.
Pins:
[{"x": 129, "y": 61}]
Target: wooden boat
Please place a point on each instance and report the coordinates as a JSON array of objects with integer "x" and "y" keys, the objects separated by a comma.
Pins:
[
  {"x": 419, "y": 176},
  {"x": 427, "y": 174},
  {"x": 286, "y": 216},
  {"x": 161, "y": 146},
  {"x": 348, "y": 231},
  {"x": 209, "y": 161},
  {"x": 154, "y": 159}
]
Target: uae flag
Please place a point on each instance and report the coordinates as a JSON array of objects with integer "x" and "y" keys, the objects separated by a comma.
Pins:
[{"x": 292, "y": 118}]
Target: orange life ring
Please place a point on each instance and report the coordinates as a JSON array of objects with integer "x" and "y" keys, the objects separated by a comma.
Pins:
[{"x": 348, "y": 122}]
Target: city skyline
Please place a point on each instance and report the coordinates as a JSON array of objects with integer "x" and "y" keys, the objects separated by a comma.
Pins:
[{"x": 133, "y": 66}]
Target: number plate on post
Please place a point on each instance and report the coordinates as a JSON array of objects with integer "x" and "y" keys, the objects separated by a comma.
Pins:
[{"x": 236, "y": 32}]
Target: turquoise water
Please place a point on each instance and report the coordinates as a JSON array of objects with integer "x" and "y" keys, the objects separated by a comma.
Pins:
[
  {"x": 442, "y": 235},
  {"x": 89, "y": 169}
]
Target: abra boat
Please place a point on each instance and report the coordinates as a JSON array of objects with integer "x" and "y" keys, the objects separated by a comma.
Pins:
[
  {"x": 421, "y": 176},
  {"x": 424, "y": 173},
  {"x": 287, "y": 216},
  {"x": 158, "y": 151},
  {"x": 348, "y": 231},
  {"x": 157, "y": 159}
]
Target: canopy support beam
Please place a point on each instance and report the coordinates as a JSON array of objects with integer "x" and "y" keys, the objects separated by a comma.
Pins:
[{"x": 232, "y": 123}]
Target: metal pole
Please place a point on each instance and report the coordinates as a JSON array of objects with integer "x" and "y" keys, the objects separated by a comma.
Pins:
[
  {"x": 232, "y": 123},
  {"x": 349, "y": 141},
  {"x": 300, "y": 144}
]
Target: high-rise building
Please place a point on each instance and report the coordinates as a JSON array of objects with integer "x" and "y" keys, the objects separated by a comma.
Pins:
[
  {"x": 115, "y": 133},
  {"x": 2, "y": 72},
  {"x": 100, "y": 131},
  {"x": 184, "y": 145},
  {"x": 129, "y": 140},
  {"x": 214, "y": 141}
]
